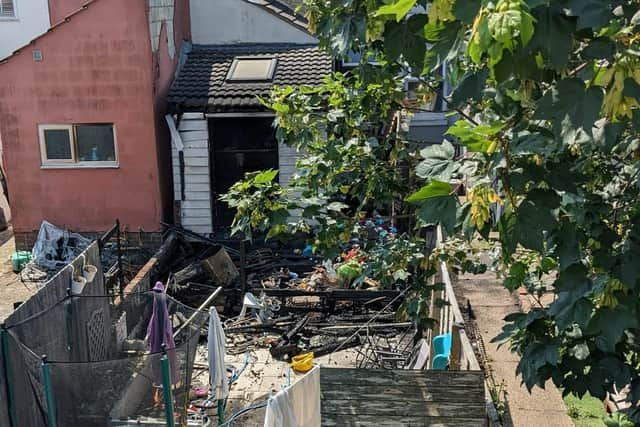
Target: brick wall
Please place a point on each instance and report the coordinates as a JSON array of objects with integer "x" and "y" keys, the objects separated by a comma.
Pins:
[{"x": 148, "y": 240}]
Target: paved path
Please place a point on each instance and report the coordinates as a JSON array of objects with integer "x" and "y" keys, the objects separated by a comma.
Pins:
[{"x": 491, "y": 303}]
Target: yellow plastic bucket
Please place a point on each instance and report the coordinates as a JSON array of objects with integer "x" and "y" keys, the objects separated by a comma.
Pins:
[{"x": 302, "y": 362}]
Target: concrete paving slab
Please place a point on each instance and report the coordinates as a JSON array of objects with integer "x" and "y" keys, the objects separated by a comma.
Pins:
[{"x": 491, "y": 302}]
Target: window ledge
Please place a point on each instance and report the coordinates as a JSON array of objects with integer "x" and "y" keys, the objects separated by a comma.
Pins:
[
  {"x": 9, "y": 18},
  {"x": 105, "y": 165}
]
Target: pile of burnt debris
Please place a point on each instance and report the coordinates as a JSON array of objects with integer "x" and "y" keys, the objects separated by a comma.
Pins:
[{"x": 276, "y": 298}]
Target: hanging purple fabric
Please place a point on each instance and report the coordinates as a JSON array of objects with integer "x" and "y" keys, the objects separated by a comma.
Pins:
[{"x": 160, "y": 331}]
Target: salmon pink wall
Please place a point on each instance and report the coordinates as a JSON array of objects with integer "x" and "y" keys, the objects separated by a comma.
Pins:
[
  {"x": 97, "y": 67},
  {"x": 59, "y": 9}
]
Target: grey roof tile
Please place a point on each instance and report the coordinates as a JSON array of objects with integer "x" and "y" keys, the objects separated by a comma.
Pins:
[{"x": 202, "y": 84}]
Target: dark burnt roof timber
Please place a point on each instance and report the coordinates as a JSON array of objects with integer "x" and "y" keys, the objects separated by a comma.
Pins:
[{"x": 202, "y": 82}]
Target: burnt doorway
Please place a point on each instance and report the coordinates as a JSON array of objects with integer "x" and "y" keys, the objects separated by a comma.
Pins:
[{"x": 238, "y": 145}]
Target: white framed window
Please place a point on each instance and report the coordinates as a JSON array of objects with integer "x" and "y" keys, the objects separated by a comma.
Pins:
[
  {"x": 91, "y": 145},
  {"x": 8, "y": 9}
]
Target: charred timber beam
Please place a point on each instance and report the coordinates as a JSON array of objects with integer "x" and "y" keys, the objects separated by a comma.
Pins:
[
  {"x": 104, "y": 239},
  {"x": 338, "y": 344},
  {"x": 297, "y": 328},
  {"x": 188, "y": 233},
  {"x": 337, "y": 294}
]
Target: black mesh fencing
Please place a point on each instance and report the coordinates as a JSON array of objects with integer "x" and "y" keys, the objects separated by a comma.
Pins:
[{"x": 100, "y": 366}]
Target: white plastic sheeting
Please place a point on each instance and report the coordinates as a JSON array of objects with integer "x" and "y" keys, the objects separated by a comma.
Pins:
[{"x": 55, "y": 248}]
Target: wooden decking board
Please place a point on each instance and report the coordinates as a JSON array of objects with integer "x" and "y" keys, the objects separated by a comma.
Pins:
[
  {"x": 407, "y": 409},
  {"x": 392, "y": 392},
  {"x": 369, "y": 397},
  {"x": 375, "y": 421},
  {"x": 467, "y": 379}
]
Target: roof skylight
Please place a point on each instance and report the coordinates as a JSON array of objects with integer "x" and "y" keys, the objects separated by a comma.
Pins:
[{"x": 252, "y": 69}]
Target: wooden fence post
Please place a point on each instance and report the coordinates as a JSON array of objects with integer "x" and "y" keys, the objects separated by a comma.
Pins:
[{"x": 456, "y": 347}]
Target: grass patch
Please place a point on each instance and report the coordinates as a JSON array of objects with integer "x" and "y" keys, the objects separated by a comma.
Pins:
[{"x": 585, "y": 412}]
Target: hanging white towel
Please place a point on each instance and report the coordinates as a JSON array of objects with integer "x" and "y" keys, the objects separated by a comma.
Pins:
[
  {"x": 297, "y": 405},
  {"x": 216, "y": 353}
]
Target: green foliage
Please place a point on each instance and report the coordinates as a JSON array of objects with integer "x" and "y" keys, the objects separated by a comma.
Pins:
[
  {"x": 618, "y": 420},
  {"x": 261, "y": 205},
  {"x": 398, "y": 259},
  {"x": 586, "y": 411},
  {"x": 548, "y": 99}
]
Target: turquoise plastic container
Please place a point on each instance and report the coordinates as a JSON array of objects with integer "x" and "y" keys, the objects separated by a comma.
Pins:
[{"x": 19, "y": 259}]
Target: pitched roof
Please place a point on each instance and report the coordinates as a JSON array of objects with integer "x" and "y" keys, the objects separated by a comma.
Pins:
[
  {"x": 285, "y": 10},
  {"x": 202, "y": 82}
]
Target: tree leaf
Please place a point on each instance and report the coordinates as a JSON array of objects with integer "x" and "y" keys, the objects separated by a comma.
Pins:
[
  {"x": 399, "y": 8},
  {"x": 466, "y": 10},
  {"x": 599, "y": 48},
  {"x": 525, "y": 143},
  {"x": 568, "y": 104},
  {"x": 438, "y": 162},
  {"x": 503, "y": 24},
  {"x": 570, "y": 309},
  {"x": 266, "y": 176},
  {"x": 443, "y": 39},
  {"x": 580, "y": 351},
  {"x": 526, "y": 29},
  {"x": 535, "y": 357},
  {"x": 405, "y": 39},
  {"x": 477, "y": 138},
  {"x": 506, "y": 228},
  {"x": 631, "y": 88},
  {"x": 609, "y": 325},
  {"x": 441, "y": 209},
  {"x": 534, "y": 219},
  {"x": 434, "y": 188},
  {"x": 553, "y": 36},
  {"x": 470, "y": 87},
  {"x": 567, "y": 249}
]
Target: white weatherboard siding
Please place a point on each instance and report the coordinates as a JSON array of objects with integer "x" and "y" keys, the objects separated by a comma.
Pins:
[
  {"x": 195, "y": 209},
  {"x": 32, "y": 19},
  {"x": 236, "y": 21},
  {"x": 287, "y": 157}
]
